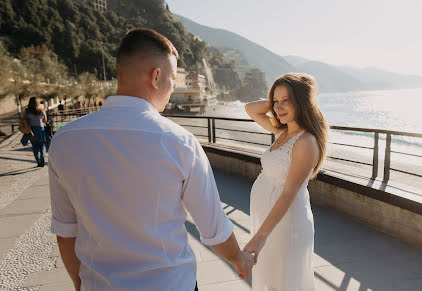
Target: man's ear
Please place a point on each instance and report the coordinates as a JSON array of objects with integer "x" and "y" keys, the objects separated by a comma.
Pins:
[{"x": 156, "y": 75}]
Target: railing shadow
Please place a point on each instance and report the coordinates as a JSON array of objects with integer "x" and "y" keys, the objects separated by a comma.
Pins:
[
  {"x": 25, "y": 149},
  {"x": 20, "y": 171},
  {"x": 20, "y": 160},
  {"x": 235, "y": 193}
]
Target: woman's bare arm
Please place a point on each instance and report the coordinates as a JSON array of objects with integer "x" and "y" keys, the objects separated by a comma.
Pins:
[{"x": 258, "y": 112}]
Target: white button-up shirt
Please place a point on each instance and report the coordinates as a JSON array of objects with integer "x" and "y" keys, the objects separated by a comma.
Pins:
[{"x": 121, "y": 180}]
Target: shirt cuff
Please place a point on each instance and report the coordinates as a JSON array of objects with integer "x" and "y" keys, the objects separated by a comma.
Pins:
[
  {"x": 221, "y": 236},
  {"x": 63, "y": 229}
]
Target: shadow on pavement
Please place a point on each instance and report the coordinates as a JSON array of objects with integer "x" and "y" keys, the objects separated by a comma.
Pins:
[
  {"x": 349, "y": 255},
  {"x": 19, "y": 172},
  {"x": 20, "y": 160},
  {"x": 25, "y": 149}
]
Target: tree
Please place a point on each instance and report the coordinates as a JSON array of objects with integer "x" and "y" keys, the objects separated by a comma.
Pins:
[
  {"x": 6, "y": 85},
  {"x": 90, "y": 86},
  {"x": 74, "y": 31}
]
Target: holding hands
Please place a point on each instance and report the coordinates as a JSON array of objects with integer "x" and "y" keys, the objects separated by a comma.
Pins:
[
  {"x": 230, "y": 251},
  {"x": 244, "y": 265},
  {"x": 255, "y": 245}
]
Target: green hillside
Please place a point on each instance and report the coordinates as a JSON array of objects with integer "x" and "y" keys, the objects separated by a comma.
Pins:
[{"x": 81, "y": 35}]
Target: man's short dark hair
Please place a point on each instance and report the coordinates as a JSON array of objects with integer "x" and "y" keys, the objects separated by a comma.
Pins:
[{"x": 145, "y": 42}]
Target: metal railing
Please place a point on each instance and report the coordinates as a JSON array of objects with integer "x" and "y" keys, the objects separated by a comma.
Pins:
[
  {"x": 56, "y": 118},
  {"x": 387, "y": 152},
  {"x": 212, "y": 137}
]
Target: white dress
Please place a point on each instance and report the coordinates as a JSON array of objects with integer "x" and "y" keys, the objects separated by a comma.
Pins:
[{"x": 285, "y": 262}]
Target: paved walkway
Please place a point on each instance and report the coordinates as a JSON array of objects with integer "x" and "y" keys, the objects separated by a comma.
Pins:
[{"x": 348, "y": 255}]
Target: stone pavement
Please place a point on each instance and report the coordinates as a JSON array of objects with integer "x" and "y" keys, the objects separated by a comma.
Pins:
[{"x": 348, "y": 255}]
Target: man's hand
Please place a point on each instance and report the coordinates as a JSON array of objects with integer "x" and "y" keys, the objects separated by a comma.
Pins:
[
  {"x": 242, "y": 261},
  {"x": 244, "y": 266}
]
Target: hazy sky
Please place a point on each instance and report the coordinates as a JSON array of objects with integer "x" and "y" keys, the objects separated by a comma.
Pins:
[{"x": 363, "y": 33}]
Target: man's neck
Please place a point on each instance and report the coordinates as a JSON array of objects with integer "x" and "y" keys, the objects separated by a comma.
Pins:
[{"x": 133, "y": 93}]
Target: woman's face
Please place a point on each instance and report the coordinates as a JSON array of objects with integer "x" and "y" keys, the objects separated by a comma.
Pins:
[{"x": 283, "y": 105}]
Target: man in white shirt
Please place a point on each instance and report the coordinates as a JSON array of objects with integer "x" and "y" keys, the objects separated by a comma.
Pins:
[{"x": 122, "y": 178}]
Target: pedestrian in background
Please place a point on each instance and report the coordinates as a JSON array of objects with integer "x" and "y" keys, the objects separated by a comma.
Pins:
[{"x": 36, "y": 118}]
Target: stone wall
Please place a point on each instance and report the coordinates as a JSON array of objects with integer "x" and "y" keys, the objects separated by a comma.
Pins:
[
  {"x": 8, "y": 104},
  {"x": 396, "y": 221}
]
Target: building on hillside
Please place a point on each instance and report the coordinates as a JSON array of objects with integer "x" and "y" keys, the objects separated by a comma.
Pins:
[
  {"x": 197, "y": 81},
  {"x": 228, "y": 78},
  {"x": 189, "y": 92},
  {"x": 101, "y": 5},
  {"x": 257, "y": 74},
  {"x": 254, "y": 85},
  {"x": 181, "y": 78}
]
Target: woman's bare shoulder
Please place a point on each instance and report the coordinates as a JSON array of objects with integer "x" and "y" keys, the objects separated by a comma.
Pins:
[{"x": 306, "y": 143}]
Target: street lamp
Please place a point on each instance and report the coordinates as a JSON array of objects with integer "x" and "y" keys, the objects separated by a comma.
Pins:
[{"x": 102, "y": 54}]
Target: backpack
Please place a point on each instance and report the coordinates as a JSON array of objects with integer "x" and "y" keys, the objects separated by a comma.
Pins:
[{"x": 24, "y": 126}]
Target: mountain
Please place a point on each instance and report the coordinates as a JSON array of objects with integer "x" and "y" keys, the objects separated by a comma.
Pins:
[
  {"x": 376, "y": 79},
  {"x": 295, "y": 60},
  {"x": 248, "y": 54},
  {"x": 329, "y": 78},
  {"x": 347, "y": 78},
  {"x": 257, "y": 56}
]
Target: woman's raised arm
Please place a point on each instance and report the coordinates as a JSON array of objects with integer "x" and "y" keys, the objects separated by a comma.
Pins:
[{"x": 258, "y": 112}]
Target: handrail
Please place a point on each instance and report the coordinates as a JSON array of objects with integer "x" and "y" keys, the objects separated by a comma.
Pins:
[
  {"x": 346, "y": 128},
  {"x": 67, "y": 115},
  {"x": 387, "y": 154},
  {"x": 385, "y": 131}
]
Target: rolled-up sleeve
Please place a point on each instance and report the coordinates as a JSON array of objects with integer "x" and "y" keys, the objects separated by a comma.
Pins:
[
  {"x": 63, "y": 222},
  {"x": 201, "y": 199}
]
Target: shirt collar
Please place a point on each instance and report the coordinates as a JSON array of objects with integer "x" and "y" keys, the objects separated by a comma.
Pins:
[{"x": 129, "y": 101}]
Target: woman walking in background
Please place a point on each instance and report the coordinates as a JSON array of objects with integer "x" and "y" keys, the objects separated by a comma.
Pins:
[
  {"x": 36, "y": 118},
  {"x": 282, "y": 221}
]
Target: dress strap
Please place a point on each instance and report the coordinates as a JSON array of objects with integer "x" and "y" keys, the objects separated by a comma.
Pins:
[
  {"x": 277, "y": 135},
  {"x": 293, "y": 140}
]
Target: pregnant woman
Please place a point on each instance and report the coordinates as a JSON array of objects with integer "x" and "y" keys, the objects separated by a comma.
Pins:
[{"x": 282, "y": 221}]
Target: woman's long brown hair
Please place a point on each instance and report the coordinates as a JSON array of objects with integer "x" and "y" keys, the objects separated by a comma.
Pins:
[
  {"x": 34, "y": 106},
  {"x": 302, "y": 93}
]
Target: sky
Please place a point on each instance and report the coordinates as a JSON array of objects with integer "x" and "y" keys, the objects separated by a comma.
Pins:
[{"x": 385, "y": 34}]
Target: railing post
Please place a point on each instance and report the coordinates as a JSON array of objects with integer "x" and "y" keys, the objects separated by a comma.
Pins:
[
  {"x": 13, "y": 128},
  {"x": 52, "y": 126},
  {"x": 209, "y": 129},
  {"x": 375, "y": 156},
  {"x": 272, "y": 138},
  {"x": 213, "y": 131},
  {"x": 387, "y": 158}
]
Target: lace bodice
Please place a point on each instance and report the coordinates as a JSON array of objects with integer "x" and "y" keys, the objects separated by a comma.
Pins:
[{"x": 276, "y": 163}]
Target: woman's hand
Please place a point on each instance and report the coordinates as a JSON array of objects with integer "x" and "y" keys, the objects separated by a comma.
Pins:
[{"x": 255, "y": 246}]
